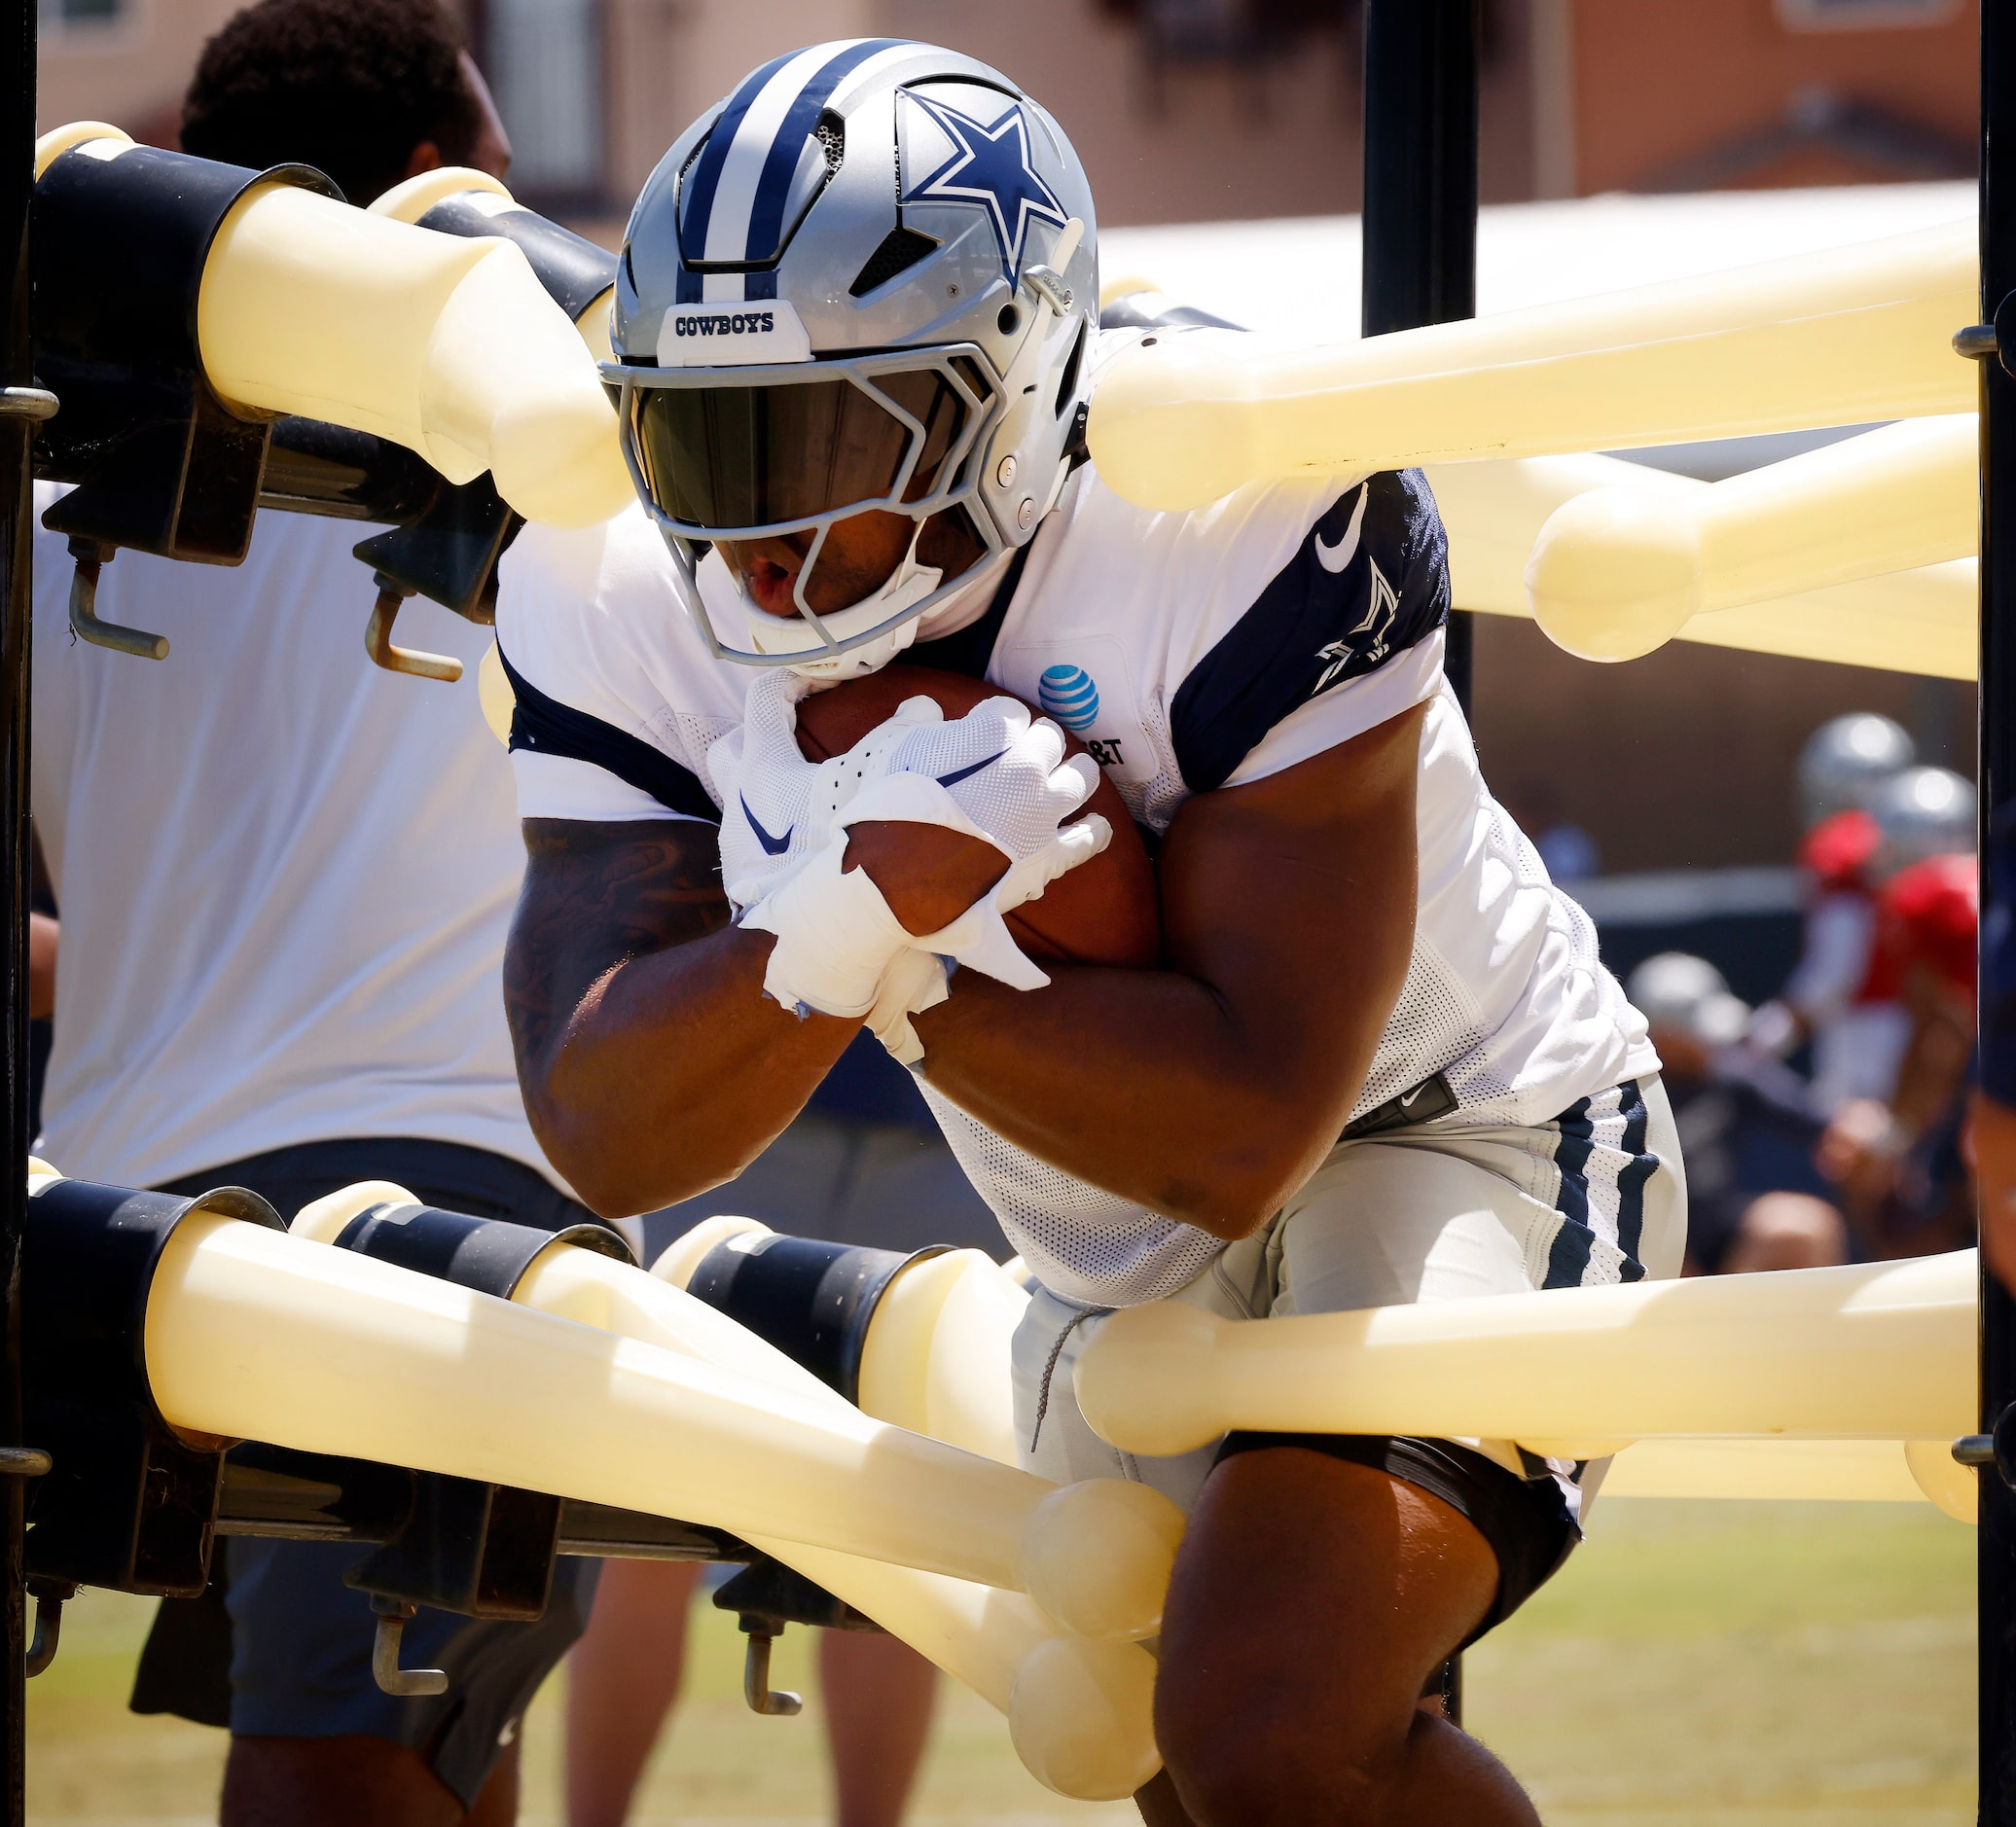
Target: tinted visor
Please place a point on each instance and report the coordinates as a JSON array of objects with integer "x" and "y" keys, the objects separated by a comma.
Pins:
[{"x": 723, "y": 459}]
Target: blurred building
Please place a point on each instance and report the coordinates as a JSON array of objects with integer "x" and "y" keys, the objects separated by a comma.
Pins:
[
  {"x": 1724, "y": 94},
  {"x": 1184, "y": 110},
  {"x": 1190, "y": 110}
]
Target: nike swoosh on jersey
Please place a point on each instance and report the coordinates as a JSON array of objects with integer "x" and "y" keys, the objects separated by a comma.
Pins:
[
  {"x": 966, "y": 774},
  {"x": 774, "y": 847},
  {"x": 1334, "y": 558}
]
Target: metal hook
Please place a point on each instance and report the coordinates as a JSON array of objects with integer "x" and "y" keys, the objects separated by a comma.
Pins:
[
  {"x": 1048, "y": 284},
  {"x": 50, "y": 1596},
  {"x": 402, "y": 1683},
  {"x": 377, "y": 642},
  {"x": 756, "y": 1687},
  {"x": 90, "y": 557}
]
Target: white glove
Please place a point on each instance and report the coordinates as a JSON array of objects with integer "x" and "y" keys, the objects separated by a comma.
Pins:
[
  {"x": 776, "y": 807},
  {"x": 1003, "y": 771},
  {"x": 992, "y": 774},
  {"x": 1022, "y": 825},
  {"x": 1029, "y": 819},
  {"x": 835, "y": 937},
  {"x": 916, "y": 981}
]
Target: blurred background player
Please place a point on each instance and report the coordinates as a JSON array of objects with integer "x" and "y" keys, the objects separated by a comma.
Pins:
[
  {"x": 1884, "y": 988},
  {"x": 1856, "y": 1039},
  {"x": 1755, "y": 1198},
  {"x": 1896, "y": 1157},
  {"x": 1992, "y": 1132},
  {"x": 322, "y": 858},
  {"x": 863, "y": 1164}
]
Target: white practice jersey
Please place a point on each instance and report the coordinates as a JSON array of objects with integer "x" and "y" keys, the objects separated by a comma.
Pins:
[
  {"x": 285, "y": 874},
  {"x": 1189, "y": 652}
]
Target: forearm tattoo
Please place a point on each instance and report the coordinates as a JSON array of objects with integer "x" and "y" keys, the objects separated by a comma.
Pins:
[{"x": 596, "y": 896}]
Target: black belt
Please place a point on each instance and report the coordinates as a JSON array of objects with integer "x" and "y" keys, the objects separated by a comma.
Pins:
[{"x": 1428, "y": 1099}]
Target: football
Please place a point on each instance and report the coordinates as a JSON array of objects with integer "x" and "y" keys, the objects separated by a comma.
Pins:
[{"x": 1103, "y": 912}]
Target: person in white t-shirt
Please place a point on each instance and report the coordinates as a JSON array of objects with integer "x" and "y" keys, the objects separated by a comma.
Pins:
[
  {"x": 286, "y": 877},
  {"x": 1380, "y": 1061}
]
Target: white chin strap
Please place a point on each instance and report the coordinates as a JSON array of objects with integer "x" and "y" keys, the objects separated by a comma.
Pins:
[{"x": 909, "y": 583}]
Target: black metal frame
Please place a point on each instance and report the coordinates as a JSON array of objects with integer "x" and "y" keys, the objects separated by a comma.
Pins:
[
  {"x": 1420, "y": 266},
  {"x": 1419, "y": 249},
  {"x": 1996, "y": 700},
  {"x": 17, "y": 501}
]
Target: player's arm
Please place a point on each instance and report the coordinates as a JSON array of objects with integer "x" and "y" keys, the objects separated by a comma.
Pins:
[
  {"x": 1211, "y": 1090},
  {"x": 652, "y": 1066},
  {"x": 652, "y": 1063}
]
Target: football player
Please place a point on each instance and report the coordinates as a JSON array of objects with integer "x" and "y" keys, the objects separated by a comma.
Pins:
[
  {"x": 1380, "y": 1062},
  {"x": 1858, "y": 1033}
]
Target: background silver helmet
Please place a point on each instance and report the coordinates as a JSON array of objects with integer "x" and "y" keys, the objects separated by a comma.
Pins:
[
  {"x": 1921, "y": 812},
  {"x": 1680, "y": 993},
  {"x": 1845, "y": 760},
  {"x": 867, "y": 279}
]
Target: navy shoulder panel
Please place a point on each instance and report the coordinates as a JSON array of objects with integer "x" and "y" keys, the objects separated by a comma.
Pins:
[
  {"x": 547, "y": 727},
  {"x": 1369, "y": 581}
]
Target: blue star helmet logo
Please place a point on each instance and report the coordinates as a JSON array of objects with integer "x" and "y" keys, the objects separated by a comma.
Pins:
[{"x": 990, "y": 167}]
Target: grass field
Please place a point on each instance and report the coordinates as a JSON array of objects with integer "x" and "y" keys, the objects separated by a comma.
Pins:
[{"x": 1746, "y": 1666}]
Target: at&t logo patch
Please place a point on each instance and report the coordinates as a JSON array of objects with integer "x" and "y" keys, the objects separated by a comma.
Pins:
[
  {"x": 1069, "y": 694},
  {"x": 1080, "y": 678}
]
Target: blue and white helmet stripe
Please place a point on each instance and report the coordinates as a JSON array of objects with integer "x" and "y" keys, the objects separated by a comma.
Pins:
[{"x": 733, "y": 197}]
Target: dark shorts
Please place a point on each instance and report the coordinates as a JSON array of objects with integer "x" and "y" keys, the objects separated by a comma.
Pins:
[
  {"x": 279, "y": 1646},
  {"x": 1524, "y": 1520}
]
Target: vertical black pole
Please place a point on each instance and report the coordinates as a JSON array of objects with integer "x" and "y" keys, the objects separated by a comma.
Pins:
[
  {"x": 1997, "y": 1546},
  {"x": 1419, "y": 249},
  {"x": 1421, "y": 186},
  {"x": 17, "y": 182}
]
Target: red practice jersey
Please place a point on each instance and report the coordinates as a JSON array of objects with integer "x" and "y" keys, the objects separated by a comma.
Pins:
[{"x": 1927, "y": 917}]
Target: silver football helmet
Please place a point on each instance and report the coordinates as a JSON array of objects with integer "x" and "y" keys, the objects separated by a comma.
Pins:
[
  {"x": 1677, "y": 992},
  {"x": 1846, "y": 760},
  {"x": 868, "y": 279},
  {"x": 1921, "y": 812}
]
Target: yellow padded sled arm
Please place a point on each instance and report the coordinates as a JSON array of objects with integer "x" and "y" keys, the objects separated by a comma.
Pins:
[
  {"x": 444, "y": 345},
  {"x": 937, "y": 1357},
  {"x": 447, "y": 345},
  {"x": 1618, "y": 572},
  {"x": 1079, "y": 1710},
  {"x": 1921, "y": 621},
  {"x": 1866, "y": 1471},
  {"x": 273, "y": 1338},
  {"x": 411, "y": 200},
  {"x": 1841, "y": 336},
  {"x": 1079, "y": 1713},
  {"x": 1878, "y": 1350}
]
